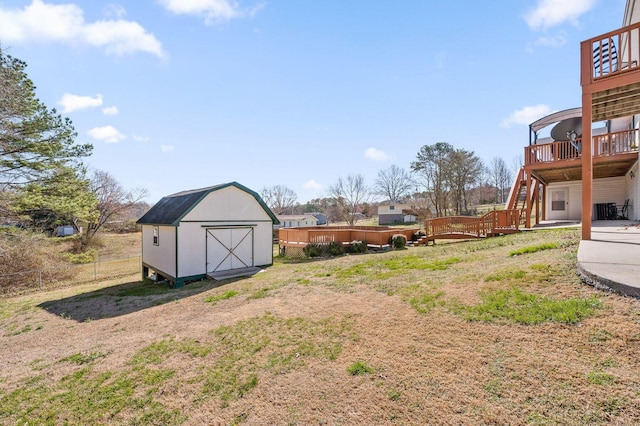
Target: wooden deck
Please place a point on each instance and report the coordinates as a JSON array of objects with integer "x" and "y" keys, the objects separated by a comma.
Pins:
[
  {"x": 373, "y": 236},
  {"x": 465, "y": 227}
]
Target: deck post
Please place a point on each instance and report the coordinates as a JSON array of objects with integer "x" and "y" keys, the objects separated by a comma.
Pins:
[
  {"x": 587, "y": 140},
  {"x": 527, "y": 200},
  {"x": 536, "y": 195},
  {"x": 544, "y": 202}
]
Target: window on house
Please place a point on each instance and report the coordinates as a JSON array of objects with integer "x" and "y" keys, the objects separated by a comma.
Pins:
[
  {"x": 392, "y": 207},
  {"x": 156, "y": 238}
]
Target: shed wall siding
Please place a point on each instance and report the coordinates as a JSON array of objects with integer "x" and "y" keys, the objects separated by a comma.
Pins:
[
  {"x": 192, "y": 242},
  {"x": 162, "y": 256},
  {"x": 227, "y": 204}
]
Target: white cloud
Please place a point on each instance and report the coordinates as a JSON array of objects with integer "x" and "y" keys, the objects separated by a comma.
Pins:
[
  {"x": 313, "y": 185},
  {"x": 108, "y": 134},
  {"x": 526, "y": 115},
  {"x": 166, "y": 148},
  {"x": 112, "y": 110},
  {"x": 64, "y": 23},
  {"x": 557, "y": 40},
  {"x": 211, "y": 9},
  {"x": 550, "y": 13},
  {"x": 71, "y": 102},
  {"x": 139, "y": 138},
  {"x": 376, "y": 154},
  {"x": 115, "y": 10}
]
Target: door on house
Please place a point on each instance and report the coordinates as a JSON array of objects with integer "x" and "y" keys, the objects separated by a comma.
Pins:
[
  {"x": 559, "y": 204},
  {"x": 229, "y": 248}
]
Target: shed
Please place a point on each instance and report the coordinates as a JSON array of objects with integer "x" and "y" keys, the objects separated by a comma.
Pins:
[{"x": 203, "y": 232}]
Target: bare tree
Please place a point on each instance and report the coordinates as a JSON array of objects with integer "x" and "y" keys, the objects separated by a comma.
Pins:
[
  {"x": 500, "y": 177},
  {"x": 113, "y": 200},
  {"x": 465, "y": 170},
  {"x": 393, "y": 183},
  {"x": 348, "y": 196},
  {"x": 279, "y": 198}
]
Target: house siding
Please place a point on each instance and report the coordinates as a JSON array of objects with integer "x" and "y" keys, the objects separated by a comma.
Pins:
[
  {"x": 608, "y": 190},
  {"x": 633, "y": 193}
]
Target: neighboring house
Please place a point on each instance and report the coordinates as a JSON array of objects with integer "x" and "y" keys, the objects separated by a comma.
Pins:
[
  {"x": 294, "y": 221},
  {"x": 322, "y": 218},
  {"x": 192, "y": 234},
  {"x": 396, "y": 213},
  {"x": 564, "y": 177}
]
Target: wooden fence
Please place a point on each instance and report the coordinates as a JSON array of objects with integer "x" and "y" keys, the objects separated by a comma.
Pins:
[{"x": 375, "y": 236}]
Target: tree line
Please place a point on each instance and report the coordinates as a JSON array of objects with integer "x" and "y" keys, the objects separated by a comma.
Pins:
[{"x": 443, "y": 180}]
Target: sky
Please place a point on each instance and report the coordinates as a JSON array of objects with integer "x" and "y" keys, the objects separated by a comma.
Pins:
[{"x": 185, "y": 94}]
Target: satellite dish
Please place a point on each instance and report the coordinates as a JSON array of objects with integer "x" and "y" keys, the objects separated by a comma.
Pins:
[{"x": 560, "y": 132}]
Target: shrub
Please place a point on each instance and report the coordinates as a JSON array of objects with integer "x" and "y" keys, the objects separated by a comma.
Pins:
[
  {"x": 22, "y": 255},
  {"x": 358, "y": 368},
  {"x": 335, "y": 249},
  {"x": 312, "y": 250},
  {"x": 80, "y": 258},
  {"x": 418, "y": 235},
  {"x": 398, "y": 241},
  {"x": 357, "y": 246}
]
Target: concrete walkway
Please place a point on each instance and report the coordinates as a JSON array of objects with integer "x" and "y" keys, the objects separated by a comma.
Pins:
[{"x": 611, "y": 259}]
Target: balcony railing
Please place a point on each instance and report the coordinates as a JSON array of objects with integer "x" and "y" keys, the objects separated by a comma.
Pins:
[
  {"x": 492, "y": 223},
  {"x": 603, "y": 145},
  {"x": 614, "y": 53}
]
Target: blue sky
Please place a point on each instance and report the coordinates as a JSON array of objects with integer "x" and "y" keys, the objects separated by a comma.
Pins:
[{"x": 182, "y": 94}]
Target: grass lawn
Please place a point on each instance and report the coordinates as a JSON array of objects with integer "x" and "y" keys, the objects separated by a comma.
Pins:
[{"x": 495, "y": 331}]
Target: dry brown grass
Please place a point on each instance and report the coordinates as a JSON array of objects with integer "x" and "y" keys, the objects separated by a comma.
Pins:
[
  {"x": 275, "y": 348},
  {"x": 32, "y": 262}
]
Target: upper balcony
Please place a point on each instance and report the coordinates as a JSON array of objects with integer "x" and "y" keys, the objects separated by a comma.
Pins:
[
  {"x": 610, "y": 72},
  {"x": 613, "y": 155}
]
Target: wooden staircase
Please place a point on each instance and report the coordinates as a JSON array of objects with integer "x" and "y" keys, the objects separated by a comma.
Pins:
[{"x": 520, "y": 200}]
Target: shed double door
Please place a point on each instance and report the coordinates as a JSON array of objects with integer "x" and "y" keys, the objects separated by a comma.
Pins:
[{"x": 229, "y": 248}]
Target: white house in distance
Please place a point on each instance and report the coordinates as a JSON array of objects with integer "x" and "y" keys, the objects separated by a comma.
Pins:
[
  {"x": 203, "y": 232},
  {"x": 390, "y": 214},
  {"x": 293, "y": 221}
]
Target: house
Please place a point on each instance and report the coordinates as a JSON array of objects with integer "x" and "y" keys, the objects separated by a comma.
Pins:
[
  {"x": 293, "y": 221},
  {"x": 203, "y": 232},
  {"x": 322, "y": 218},
  {"x": 563, "y": 176},
  {"x": 390, "y": 214}
]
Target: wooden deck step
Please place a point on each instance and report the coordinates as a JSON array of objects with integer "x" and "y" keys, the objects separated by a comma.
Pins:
[{"x": 234, "y": 273}]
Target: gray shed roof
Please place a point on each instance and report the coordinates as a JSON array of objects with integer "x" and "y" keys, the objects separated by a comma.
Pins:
[{"x": 171, "y": 209}]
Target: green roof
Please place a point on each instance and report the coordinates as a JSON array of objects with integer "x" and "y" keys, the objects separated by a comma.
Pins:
[{"x": 171, "y": 209}]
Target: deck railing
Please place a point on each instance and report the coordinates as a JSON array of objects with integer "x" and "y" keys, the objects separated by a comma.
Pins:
[
  {"x": 603, "y": 145},
  {"x": 378, "y": 236},
  {"x": 492, "y": 223},
  {"x": 611, "y": 54}
]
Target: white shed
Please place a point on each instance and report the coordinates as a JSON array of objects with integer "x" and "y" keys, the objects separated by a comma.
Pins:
[{"x": 192, "y": 234}]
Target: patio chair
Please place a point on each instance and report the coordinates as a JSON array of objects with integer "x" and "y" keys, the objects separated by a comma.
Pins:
[
  {"x": 623, "y": 211},
  {"x": 605, "y": 57}
]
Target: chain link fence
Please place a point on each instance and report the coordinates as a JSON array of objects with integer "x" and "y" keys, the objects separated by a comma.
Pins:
[{"x": 68, "y": 275}]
